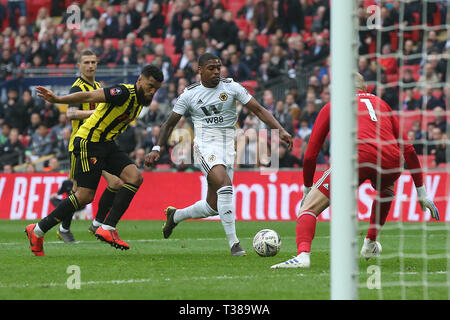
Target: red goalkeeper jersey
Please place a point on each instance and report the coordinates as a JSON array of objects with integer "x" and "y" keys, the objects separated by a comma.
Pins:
[{"x": 378, "y": 139}]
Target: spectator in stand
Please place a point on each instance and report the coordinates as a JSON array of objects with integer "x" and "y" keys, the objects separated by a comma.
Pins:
[
  {"x": 250, "y": 59},
  {"x": 197, "y": 39},
  {"x": 7, "y": 65},
  {"x": 263, "y": 17},
  {"x": 14, "y": 5},
  {"x": 109, "y": 54},
  {"x": 22, "y": 57},
  {"x": 62, "y": 144},
  {"x": 409, "y": 103},
  {"x": 232, "y": 29},
  {"x": 309, "y": 114},
  {"x": 4, "y": 134},
  {"x": 42, "y": 16},
  {"x": 238, "y": 70},
  {"x": 40, "y": 144},
  {"x": 148, "y": 46},
  {"x": 123, "y": 28},
  {"x": 183, "y": 41},
  {"x": 57, "y": 129},
  {"x": 388, "y": 63},
  {"x": 144, "y": 27},
  {"x": 440, "y": 119},
  {"x": 247, "y": 10},
  {"x": 211, "y": 6},
  {"x": 127, "y": 57},
  {"x": 153, "y": 117},
  {"x": 318, "y": 53},
  {"x": 408, "y": 77},
  {"x": 429, "y": 101},
  {"x": 49, "y": 114},
  {"x": 437, "y": 145},
  {"x": 163, "y": 62},
  {"x": 269, "y": 101},
  {"x": 89, "y": 22},
  {"x": 112, "y": 23},
  {"x": 303, "y": 130},
  {"x": 290, "y": 16},
  {"x": 65, "y": 56},
  {"x": 218, "y": 32},
  {"x": 157, "y": 21},
  {"x": 283, "y": 116},
  {"x": 287, "y": 159},
  {"x": 429, "y": 75},
  {"x": 292, "y": 106},
  {"x": 12, "y": 151},
  {"x": 8, "y": 107},
  {"x": 410, "y": 55},
  {"x": 129, "y": 8},
  {"x": 32, "y": 124},
  {"x": 180, "y": 12}
]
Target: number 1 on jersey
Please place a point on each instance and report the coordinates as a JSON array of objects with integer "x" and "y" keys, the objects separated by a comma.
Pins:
[{"x": 369, "y": 107}]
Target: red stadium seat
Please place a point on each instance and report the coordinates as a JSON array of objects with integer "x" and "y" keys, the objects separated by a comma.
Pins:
[
  {"x": 250, "y": 85},
  {"x": 149, "y": 58},
  {"x": 157, "y": 40},
  {"x": 175, "y": 58},
  {"x": 263, "y": 40}
]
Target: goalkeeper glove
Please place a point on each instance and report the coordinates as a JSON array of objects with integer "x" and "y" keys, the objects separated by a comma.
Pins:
[{"x": 425, "y": 202}]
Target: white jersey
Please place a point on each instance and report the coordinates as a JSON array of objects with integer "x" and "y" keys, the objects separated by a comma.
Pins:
[
  {"x": 212, "y": 108},
  {"x": 214, "y": 115}
]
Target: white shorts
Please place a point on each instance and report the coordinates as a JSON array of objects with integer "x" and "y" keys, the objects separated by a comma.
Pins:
[{"x": 206, "y": 156}]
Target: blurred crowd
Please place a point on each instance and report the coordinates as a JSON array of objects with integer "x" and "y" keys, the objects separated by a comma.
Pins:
[{"x": 257, "y": 40}]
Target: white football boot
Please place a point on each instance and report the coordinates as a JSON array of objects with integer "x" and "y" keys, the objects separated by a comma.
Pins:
[
  {"x": 370, "y": 249},
  {"x": 301, "y": 261}
]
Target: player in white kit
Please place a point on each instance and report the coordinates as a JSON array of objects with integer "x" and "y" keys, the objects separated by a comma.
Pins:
[{"x": 212, "y": 104}]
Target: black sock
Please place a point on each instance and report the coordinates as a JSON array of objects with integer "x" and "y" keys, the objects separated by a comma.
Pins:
[
  {"x": 105, "y": 204},
  {"x": 121, "y": 202},
  {"x": 68, "y": 221},
  {"x": 63, "y": 211}
]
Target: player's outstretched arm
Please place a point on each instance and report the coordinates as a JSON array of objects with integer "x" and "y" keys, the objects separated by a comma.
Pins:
[
  {"x": 269, "y": 120},
  {"x": 95, "y": 96},
  {"x": 77, "y": 114},
  {"x": 164, "y": 134}
]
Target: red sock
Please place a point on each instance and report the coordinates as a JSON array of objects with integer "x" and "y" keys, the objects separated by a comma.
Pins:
[
  {"x": 305, "y": 230},
  {"x": 380, "y": 210}
]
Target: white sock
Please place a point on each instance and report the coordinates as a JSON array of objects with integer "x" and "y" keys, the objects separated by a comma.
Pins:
[
  {"x": 62, "y": 229},
  {"x": 38, "y": 232},
  {"x": 106, "y": 227},
  {"x": 200, "y": 209},
  {"x": 226, "y": 213},
  {"x": 96, "y": 223}
]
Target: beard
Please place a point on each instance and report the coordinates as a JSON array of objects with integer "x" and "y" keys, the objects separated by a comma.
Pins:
[{"x": 141, "y": 96}]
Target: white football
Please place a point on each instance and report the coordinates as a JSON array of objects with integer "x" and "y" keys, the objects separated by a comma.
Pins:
[{"x": 267, "y": 243}]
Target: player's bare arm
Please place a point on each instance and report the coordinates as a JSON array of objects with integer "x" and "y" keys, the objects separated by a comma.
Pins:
[
  {"x": 74, "y": 113},
  {"x": 164, "y": 134},
  {"x": 269, "y": 120},
  {"x": 95, "y": 96}
]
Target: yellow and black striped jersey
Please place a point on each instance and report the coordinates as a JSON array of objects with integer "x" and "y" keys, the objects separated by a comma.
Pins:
[
  {"x": 112, "y": 117},
  {"x": 81, "y": 85}
]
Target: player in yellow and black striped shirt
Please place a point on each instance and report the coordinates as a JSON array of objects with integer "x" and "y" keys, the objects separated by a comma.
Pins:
[
  {"x": 95, "y": 150},
  {"x": 77, "y": 113}
]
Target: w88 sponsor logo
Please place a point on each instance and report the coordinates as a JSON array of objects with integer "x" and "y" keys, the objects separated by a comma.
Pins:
[{"x": 212, "y": 120}]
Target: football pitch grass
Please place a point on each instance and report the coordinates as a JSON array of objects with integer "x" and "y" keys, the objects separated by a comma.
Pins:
[{"x": 195, "y": 264}]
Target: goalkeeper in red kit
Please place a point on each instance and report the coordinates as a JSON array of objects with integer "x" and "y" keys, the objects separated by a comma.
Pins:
[{"x": 380, "y": 150}]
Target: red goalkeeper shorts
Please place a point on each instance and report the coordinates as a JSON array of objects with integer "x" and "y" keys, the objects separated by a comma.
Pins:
[{"x": 379, "y": 180}]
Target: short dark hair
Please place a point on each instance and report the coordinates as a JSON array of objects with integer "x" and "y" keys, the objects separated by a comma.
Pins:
[
  {"x": 86, "y": 53},
  {"x": 204, "y": 58},
  {"x": 153, "y": 71}
]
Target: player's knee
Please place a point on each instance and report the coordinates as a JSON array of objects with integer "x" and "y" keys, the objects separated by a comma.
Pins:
[
  {"x": 136, "y": 178},
  {"x": 115, "y": 184},
  {"x": 84, "y": 198}
]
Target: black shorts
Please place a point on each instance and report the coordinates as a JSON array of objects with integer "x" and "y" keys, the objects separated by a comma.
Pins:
[{"x": 91, "y": 158}]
